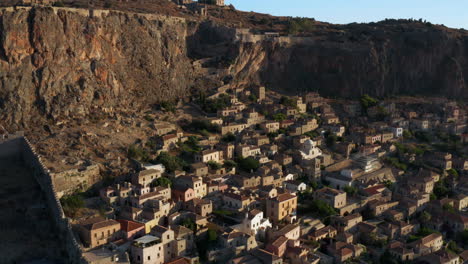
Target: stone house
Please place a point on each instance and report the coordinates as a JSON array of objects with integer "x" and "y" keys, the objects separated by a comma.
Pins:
[
  {"x": 278, "y": 246},
  {"x": 428, "y": 244},
  {"x": 259, "y": 92},
  {"x": 162, "y": 129},
  {"x": 400, "y": 251},
  {"x": 209, "y": 155},
  {"x": 347, "y": 223},
  {"x": 199, "y": 169},
  {"x": 254, "y": 223},
  {"x": 147, "y": 250},
  {"x": 294, "y": 186},
  {"x": 236, "y": 201},
  {"x": 247, "y": 181},
  {"x": 441, "y": 257},
  {"x": 193, "y": 182},
  {"x": 282, "y": 207},
  {"x": 184, "y": 194},
  {"x": 199, "y": 206},
  {"x": 333, "y": 197},
  {"x": 247, "y": 150},
  {"x": 146, "y": 177},
  {"x": 322, "y": 233},
  {"x": 419, "y": 124},
  {"x": 233, "y": 128},
  {"x": 237, "y": 239},
  {"x": 270, "y": 126},
  {"x": 184, "y": 240},
  {"x": 130, "y": 229},
  {"x": 98, "y": 231}
]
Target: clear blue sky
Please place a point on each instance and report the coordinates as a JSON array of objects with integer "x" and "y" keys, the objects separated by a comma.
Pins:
[{"x": 452, "y": 13}]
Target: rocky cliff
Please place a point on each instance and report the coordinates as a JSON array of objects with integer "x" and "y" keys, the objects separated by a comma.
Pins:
[
  {"x": 384, "y": 59},
  {"x": 59, "y": 63}
]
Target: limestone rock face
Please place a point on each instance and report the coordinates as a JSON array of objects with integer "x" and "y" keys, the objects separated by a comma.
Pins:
[
  {"x": 379, "y": 60},
  {"x": 56, "y": 63},
  {"x": 61, "y": 63}
]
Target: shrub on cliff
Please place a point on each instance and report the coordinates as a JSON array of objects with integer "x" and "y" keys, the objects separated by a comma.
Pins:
[
  {"x": 171, "y": 163},
  {"x": 300, "y": 24},
  {"x": 72, "y": 204},
  {"x": 138, "y": 153}
]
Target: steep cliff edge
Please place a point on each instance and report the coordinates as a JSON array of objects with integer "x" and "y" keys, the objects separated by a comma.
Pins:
[
  {"x": 59, "y": 64},
  {"x": 384, "y": 59},
  {"x": 62, "y": 63}
]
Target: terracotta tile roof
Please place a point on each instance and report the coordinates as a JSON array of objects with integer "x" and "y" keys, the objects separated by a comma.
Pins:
[
  {"x": 284, "y": 197},
  {"x": 148, "y": 172},
  {"x": 254, "y": 213},
  {"x": 279, "y": 241},
  {"x": 129, "y": 226},
  {"x": 427, "y": 239},
  {"x": 344, "y": 252},
  {"x": 97, "y": 223}
]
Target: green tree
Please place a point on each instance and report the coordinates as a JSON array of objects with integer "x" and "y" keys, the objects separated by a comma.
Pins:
[
  {"x": 248, "y": 164},
  {"x": 452, "y": 246},
  {"x": 321, "y": 208},
  {"x": 138, "y": 153},
  {"x": 229, "y": 164},
  {"x": 367, "y": 101},
  {"x": 163, "y": 182},
  {"x": 212, "y": 236},
  {"x": 214, "y": 165},
  {"x": 172, "y": 163},
  {"x": 190, "y": 224},
  {"x": 229, "y": 137},
  {"x": 407, "y": 134},
  {"x": 350, "y": 190},
  {"x": 279, "y": 117},
  {"x": 453, "y": 172},
  {"x": 387, "y": 258}
]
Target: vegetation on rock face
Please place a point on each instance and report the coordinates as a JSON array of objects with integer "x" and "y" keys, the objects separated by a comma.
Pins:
[
  {"x": 168, "y": 106},
  {"x": 71, "y": 204},
  {"x": 171, "y": 163},
  {"x": 300, "y": 25},
  {"x": 214, "y": 105},
  {"x": 367, "y": 101},
  {"x": 138, "y": 153},
  {"x": 202, "y": 125}
]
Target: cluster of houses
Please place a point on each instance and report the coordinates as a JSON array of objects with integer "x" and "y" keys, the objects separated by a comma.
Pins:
[{"x": 317, "y": 188}]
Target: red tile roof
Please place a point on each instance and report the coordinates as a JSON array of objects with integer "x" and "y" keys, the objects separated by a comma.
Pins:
[{"x": 129, "y": 226}]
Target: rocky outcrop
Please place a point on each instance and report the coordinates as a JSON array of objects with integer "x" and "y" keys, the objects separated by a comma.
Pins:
[
  {"x": 62, "y": 63},
  {"x": 382, "y": 60},
  {"x": 58, "y": 63}
]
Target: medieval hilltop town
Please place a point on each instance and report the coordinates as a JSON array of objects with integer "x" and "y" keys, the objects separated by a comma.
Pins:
[{"x": 255, "y": 176}]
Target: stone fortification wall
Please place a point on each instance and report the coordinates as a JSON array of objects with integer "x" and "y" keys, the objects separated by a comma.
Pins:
[
  {"x": 245, "y": 36},
  {"x": 42, "y": 176},
  {"x": 69, "y": 181}
]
